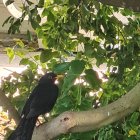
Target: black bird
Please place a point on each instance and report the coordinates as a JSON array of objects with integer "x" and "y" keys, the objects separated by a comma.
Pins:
[{"x": 41, "y": 100}]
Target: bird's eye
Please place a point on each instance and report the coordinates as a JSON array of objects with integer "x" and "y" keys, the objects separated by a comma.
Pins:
[{"x": 50, "y": 77}]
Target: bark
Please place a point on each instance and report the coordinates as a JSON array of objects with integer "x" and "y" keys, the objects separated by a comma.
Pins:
[
  {"x": 89, "y": 120},
  {"x": 4, "y": 101},
  {"x": 130, "y": 4}
]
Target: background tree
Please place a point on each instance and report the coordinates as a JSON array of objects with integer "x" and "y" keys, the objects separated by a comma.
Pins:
[{"x": 79, "y": 36}]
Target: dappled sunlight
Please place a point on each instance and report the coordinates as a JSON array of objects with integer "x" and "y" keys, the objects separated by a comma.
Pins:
[{"x": 7, "y": 123}]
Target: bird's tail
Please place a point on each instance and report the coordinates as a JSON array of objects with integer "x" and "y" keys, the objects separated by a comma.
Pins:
[{"x": 24, "y": 130}]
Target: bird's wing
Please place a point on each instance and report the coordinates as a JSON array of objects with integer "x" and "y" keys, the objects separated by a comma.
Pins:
[
  {"x": 26, "y": 107},
  {"x": 44, "y": 100}
]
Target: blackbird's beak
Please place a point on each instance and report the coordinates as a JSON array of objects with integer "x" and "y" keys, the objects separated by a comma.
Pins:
[{"x": 59, "y": 77}]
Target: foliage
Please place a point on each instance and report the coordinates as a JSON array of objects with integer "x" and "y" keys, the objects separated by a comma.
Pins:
[{"x": 77, "y": 35}]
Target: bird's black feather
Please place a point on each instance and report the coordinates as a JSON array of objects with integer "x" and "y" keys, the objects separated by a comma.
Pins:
[{"x": 41, "y": 101}]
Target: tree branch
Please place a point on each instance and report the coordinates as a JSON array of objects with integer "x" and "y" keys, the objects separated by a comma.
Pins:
[
  {"x": 89, "y": 120},
  {"x": 4, "y": 101},
  {"x": 130, "y": 4}
]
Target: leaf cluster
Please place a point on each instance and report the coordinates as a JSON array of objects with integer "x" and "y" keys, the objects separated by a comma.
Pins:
[{"x": 79, "y": 36}]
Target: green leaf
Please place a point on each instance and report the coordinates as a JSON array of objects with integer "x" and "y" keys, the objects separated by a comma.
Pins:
[
  {"x": 74, "y": 2},
  {"x": 41, "y": 3},
  {"x": 77, "y": 66},
  {"x": 20, "y": 53},
  {"x": 40, "y": 32},
  {"x": 34, "y": 24},
  {"x": 45, "y": 12},
  {"x": 11, "y": 20},
  {"x": 26, "y": 61},
  {"x": 68, "y": 81},
  {"x": 29, "y": 35},
  {"x": 15, "y": 25},
  {"x": 6, "y": 21},
  {"x": 50, "y": 17},
  {"x": 55, "y": 54},
  {"x": 92, "y": 78},
  {"x": 85, "y": 11},
  {"x": 8, "y": 2},
  {"x": 29, "y": 2},
  {"x": 88, "y": 50},
  {"x": 46, "y": 55},
  {"x": 134, "y": 118},
  {"x": 19, "y": 43},
  {"x": 64, "y": 104},
  {"x": 61, "y": 68},
  {"x": 37, "y": 57},
  {"x": 10, "y": 53},
  {"x": 79, "y": 96},
  {"x": 38, "y": 18}
]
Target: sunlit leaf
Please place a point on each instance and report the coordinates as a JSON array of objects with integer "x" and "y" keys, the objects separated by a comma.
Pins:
[
  {"x": 10, "y": 53},
  {"x": 132, "y": 132}
]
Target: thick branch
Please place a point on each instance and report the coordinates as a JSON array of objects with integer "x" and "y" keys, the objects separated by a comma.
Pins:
[
  {"x": 130, "y": 4},
  {"x": 4, "y": 101},
  {"x": 90, "y": 120}
]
